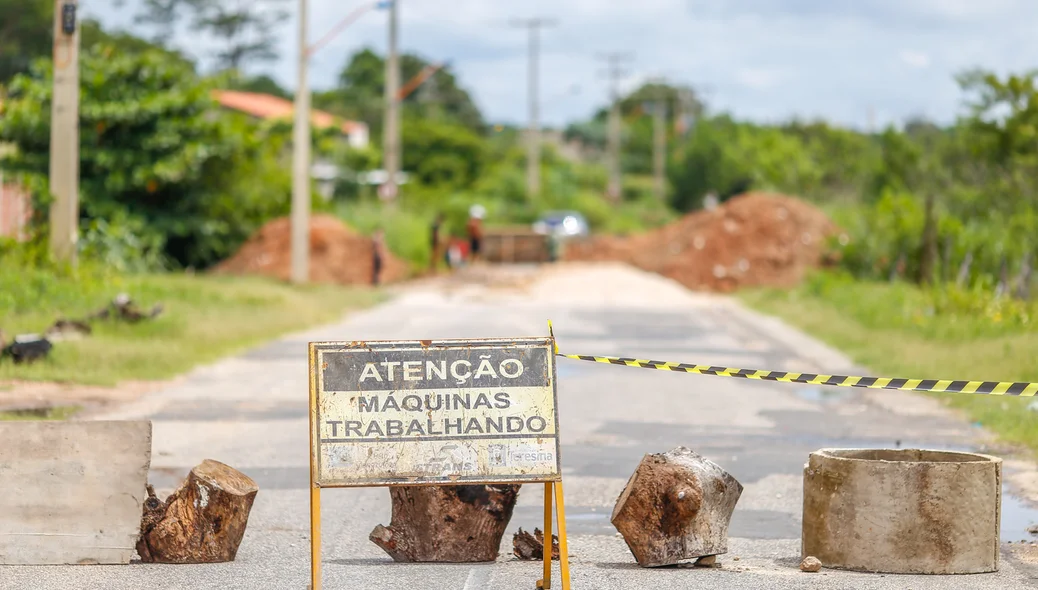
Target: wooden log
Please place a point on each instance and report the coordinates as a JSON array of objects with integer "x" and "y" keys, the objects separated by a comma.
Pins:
[
  {"x": 675, "y": 507},
  {"x": 202, "y": 522},
  {"x": 451, "y": 524},
  {"x": 527, "y": 546}
]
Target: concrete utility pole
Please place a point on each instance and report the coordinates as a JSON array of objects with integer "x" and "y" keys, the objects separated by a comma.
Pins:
[
  {"x": 300, "y": 218},
  {"x": 301, "y": 161},
  {"x": 659, "y": 147},
  {"x": 64, "y": 134},
  {"x": 615, "y": 73},
  {"x": 391, "y": 153},
  {"x": 533, "y": 132}
]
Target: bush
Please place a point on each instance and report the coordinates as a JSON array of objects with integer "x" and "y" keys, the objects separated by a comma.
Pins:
[
  {"x": 155, "y": 152},
  {"x": 943, "y": 312}
]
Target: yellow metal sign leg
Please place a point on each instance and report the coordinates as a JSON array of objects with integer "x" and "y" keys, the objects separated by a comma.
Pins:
[
  {"x": 563, "y": 542},
  {"x": 545, "y": 582},
  {"x": 315, "y": 538}
]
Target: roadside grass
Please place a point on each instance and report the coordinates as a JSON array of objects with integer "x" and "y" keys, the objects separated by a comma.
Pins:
[
  {"x": 898, "y": 330},
  {"x": 55, "y": 413},
  {"x": 204, "y": 318}
]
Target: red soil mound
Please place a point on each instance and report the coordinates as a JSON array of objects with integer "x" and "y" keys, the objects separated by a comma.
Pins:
[
  {"x": 337, "y": 254},
  {"x": 752, "y": 239}
]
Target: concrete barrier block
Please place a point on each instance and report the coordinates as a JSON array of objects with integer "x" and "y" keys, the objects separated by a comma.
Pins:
[{"x": 72, "y": 492}]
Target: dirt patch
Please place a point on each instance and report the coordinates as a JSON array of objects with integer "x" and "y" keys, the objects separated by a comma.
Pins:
[
  {"x": 755, "y": 239},
  {"x": 337, "y": 254},
  {"x": 37, "y": 395}
]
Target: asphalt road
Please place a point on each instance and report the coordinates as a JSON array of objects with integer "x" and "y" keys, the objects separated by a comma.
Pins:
[{"x": 251, "y": 412}]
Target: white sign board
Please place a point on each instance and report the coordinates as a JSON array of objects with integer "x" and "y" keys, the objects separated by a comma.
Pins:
[{"x": 433, "y": 412}]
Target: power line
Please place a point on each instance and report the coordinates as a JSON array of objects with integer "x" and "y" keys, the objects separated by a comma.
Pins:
[{"x": 533, "y": 131}]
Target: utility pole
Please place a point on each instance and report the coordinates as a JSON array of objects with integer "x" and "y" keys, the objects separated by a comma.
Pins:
[
  {"x": 64, "y": 134},
  {"x": 300, "y": 217},
  {"x": 659, "y": 146},
  {"x": 301, "y": 161},
  {"x": 391, "y": 155},
  {"x": 533, "y": 132},
  {"x": 615, "y": 73}
]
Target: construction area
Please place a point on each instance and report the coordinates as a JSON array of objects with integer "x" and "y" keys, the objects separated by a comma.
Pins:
[
  {"x": 751, "y": 240},
  {"x": 226, "y": 450}
]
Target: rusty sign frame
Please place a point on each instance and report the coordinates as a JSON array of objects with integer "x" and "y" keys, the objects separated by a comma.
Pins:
[{"x": 552, "y": 482}]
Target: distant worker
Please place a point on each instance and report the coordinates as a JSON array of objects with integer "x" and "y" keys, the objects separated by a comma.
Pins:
[
  {"x": 475, "y": 230},
  {"x": 378, "y": 252},
  {"x": 437, "y": 227}
]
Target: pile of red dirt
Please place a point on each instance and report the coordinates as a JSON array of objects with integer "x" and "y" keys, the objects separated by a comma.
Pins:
[
  {"x": 337, "y": 254},
  {"x": 755, "y": 239}
]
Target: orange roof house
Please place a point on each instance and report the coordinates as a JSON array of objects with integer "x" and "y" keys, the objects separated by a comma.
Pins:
[{"x": 267, "y": 106}]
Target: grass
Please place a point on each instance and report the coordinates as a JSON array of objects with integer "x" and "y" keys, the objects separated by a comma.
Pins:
[
  {"x": 902, "y": 331},
  {"x": 55, "y": 413},
  {"x": 204, "y": 318}
]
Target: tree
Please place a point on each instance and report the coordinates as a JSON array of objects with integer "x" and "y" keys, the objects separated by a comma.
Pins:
[
  {"x": 846, "y": 159},
  {"x": 707, "y": 163},
  {"x": 155, "y": 152},
  {"x": 26, "y": 33},
  {"x": 91, "y": 33},
  {"x": 244, "y": 29},
  {"x": 1003, "y": 127},
  {"x": 263, "y": 84},
  {"x": 441, "y": 153},
  {"x": 360, "y": 93},
  {"x": 163, "y": 15}
]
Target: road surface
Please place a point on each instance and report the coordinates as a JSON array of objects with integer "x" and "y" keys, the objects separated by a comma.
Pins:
[{"x": 251, "y": 412}]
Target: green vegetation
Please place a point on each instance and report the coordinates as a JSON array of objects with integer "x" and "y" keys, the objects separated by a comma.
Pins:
[
  {"x": 156, "y": 164},
  {"x": 454, "y": 161},
  {"x": 171, "y": 181},
  {"x": 899, "y": 330},
  {"x": 204, "y": 318},
  {"x": 54, "y": 413}
]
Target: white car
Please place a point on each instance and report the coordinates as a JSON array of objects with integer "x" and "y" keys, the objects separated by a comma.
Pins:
[{"x": 561, "y": 224}]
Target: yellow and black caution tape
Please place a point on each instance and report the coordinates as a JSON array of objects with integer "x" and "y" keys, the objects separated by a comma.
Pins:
[{"x": 934, "y": 385}]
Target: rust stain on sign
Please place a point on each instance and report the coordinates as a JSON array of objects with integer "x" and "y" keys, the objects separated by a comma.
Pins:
[{"x": 433, "y": 412}]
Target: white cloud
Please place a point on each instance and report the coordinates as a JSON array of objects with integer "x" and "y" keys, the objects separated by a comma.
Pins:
[
  {"x": 916, "y": 59},
  {"x": 758, "y": 78},
  {"x": 831, "y": 59}
]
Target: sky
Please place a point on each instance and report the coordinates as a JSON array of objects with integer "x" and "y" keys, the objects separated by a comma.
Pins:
[{"x": 763, "y": 60}]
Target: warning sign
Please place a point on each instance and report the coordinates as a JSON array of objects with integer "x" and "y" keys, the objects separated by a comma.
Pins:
[{"x": 450, "y": 411}]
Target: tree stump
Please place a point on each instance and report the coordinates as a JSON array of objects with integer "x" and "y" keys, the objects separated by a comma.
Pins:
[
  {"x": 451, "y": 524},
  {"x": 676, "y": 506},
  {"x": 527, "y": 546},
  {"x": 202, "y": 522}
]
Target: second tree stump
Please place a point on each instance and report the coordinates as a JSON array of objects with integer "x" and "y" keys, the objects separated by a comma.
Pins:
[
  {"x": 450, "y": 524},
  {"x": 676, "y": 506},
  {"x": 202, "y": 522}
]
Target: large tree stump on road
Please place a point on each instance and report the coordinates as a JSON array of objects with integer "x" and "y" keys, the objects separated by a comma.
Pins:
[
  {"x": 202, "y": 522},
  {"x": 676, "y": 506},
  {"x": 449, "y": 524}
]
